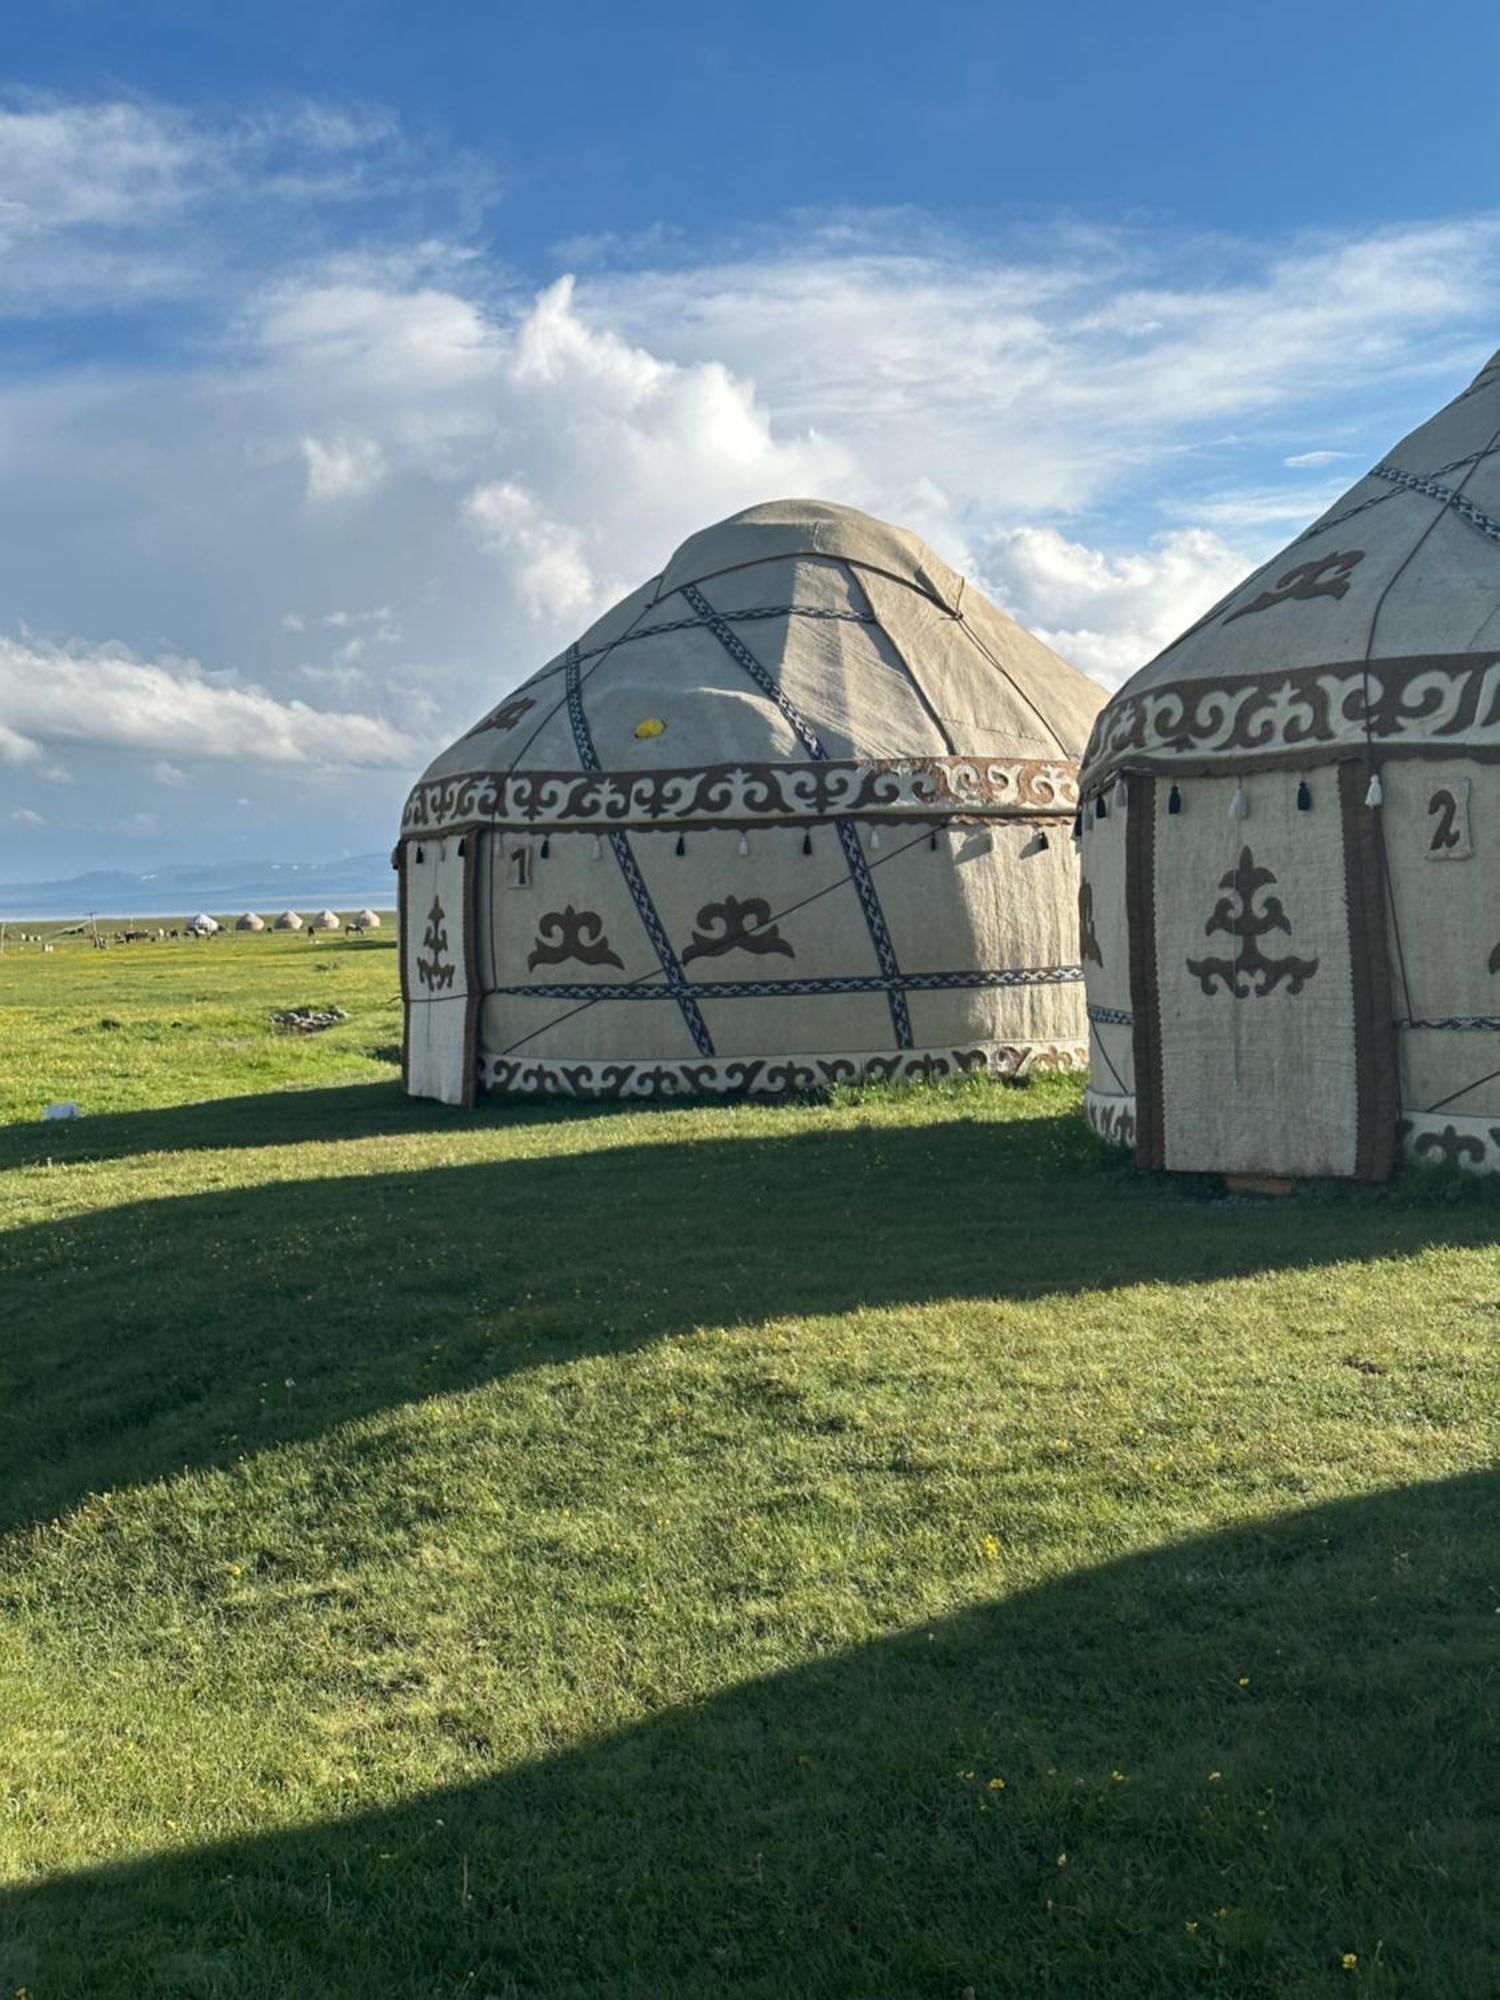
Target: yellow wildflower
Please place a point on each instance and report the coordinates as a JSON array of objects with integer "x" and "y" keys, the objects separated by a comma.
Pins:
[
  {"x": 1214, "y": 1777},
  {"x": 1190, "y": 1928},
  {"x": 1349, "y": 1960},
  {"x": 989, "y": 1548},
  {"x": 1062, "y": 1860},
  {"x": 996, "y": 1785}
]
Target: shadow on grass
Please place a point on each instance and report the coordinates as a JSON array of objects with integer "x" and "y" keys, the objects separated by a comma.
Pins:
[
  {"x": 160, "y": 1335},
  {"x": 832, "y": 1832},
  {"x": 228, "y": 1124}
]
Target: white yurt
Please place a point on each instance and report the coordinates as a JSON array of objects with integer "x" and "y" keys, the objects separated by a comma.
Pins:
[
  {"x": 1291, "y": 843},
  {"x": 325, "y": 920},
  {"x": 250, "y": 922},
  {"x": 202, "y": 925},
  {"x": 368, "y": 920},
  {"x": 795, "y": 812},
  {"x": 288, "y": 921}
]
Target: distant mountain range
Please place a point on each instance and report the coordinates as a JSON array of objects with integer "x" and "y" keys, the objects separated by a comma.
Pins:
[{"x": 222, "y": 888}]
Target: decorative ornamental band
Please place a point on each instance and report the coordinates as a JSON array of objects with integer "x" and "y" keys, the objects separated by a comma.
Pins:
[
  {"x": 740, "y": 794},
  {"x": 774, "y": 1076},
  {"x": 1444, "y": 703}
]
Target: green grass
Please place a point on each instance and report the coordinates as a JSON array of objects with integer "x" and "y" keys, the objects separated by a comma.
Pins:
[{"x": 615, "y": 1553}]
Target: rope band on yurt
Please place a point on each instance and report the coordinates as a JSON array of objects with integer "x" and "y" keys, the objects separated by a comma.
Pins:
[
  {"x": 640, "y": 895},
  {"x": 848, "y": 833}
]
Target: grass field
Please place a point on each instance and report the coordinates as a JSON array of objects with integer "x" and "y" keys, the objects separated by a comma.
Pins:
[{"x": 885, "y": 1548}]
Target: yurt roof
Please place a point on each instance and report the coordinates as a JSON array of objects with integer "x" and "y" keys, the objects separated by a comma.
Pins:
[
  {"x": 794, "y": 634},
  {"x": 1377, "y": 629}
]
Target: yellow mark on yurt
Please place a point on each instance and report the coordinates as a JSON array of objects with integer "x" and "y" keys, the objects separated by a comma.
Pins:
[{"x": 652, "y": 726}]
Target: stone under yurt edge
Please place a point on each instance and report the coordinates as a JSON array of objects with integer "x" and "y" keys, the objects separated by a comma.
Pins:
[
  {"x": 1290, "y": 839},
  {"x": 794, "y": 812}
]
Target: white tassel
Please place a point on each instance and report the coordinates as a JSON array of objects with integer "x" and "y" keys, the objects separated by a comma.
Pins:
[
  {"x": 1122, "y": 792},
  {"x": 598, "y": 847},
  {"x": 744, "y": 843},
  {"x": 1375, "y": 796},
  {"x": 1239, "y": 805},
  {"x": 875, "y": 836}
]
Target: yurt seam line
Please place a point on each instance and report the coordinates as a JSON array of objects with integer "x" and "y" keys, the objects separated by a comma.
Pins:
[
  {"x": 906, "y": 666},
  {"x": 1454, "y": 1095},
  {"x": 646, "y": 909},
  {"x": 854, "y": 855},
  {"x": 563, "y": 669}
]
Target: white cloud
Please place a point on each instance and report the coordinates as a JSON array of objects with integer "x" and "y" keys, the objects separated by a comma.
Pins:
[
  {"x": 1109, "y": 614},
  {"x": 108, "y": 697},
  {"x": 1315, "y": 458},
  {"x": 547, "y": 562},
  {"x": 170, "y": 775},
  {"x": 24, "y": 816},
  {"x": 343, "y": 469}
]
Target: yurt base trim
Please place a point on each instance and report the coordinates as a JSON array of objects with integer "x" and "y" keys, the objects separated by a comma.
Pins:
[
  {"x": 1432, "y": 1138},
  {"x": 775, "y": 1076}
]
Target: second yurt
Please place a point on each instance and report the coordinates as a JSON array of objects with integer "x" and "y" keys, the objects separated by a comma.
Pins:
[
  {"x": 793, "y": 813},
  {"x": 325, "y": 920},
  {"x": 250, "y": 922},
  {"x": 288, "y": 921},
  {"x": 1291, "y": 843}
]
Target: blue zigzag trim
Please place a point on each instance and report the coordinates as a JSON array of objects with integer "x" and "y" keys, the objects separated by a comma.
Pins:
[
  {"x": 640, "y": 895},
  {"x": 1482, "y": 1023},
  {"x": 854, "y": 854},
  {"x": 1416, "y": 482},
  {"x": 782, "y": 989},
  {"x": 741, "y": 654},
  {"x": 1112, "y": 1017}
]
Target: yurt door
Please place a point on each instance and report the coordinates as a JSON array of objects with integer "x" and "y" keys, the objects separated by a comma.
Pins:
[
  {"x": 438, "y": 982},
  {"x": 1260, "y": 986}
]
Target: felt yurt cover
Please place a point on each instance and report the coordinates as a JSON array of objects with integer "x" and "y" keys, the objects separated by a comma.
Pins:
[
  {"x": 250, "y": 922},
  {"x": 325, "y": 920},
  {"x": 1291, "y": 842},
  {"x": 794, "y": 811},
  {"x": 289, "y": 921}
]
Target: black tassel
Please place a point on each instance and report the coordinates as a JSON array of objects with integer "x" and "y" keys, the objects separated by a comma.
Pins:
[
  {"x": 421, "y": 854},
  {"x": 1078, "y": 824},
  {"x": 681, "y": 847},
  {"x": 807, "y": 842},
  {"x": 1174, "y": 801},
  {"x": 1304, "y": 797},
  {"x": 932, "y": 841},
  {"x": 1042, "y": 842},
  {"x": 546, "y": 846},
  {"x": 1101, "y": 808}
]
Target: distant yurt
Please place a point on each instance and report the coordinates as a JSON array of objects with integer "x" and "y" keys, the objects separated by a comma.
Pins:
[
  {"x": 325, "y": 920},
  {"x": 202, "y": 925},
  {"x": 250, "y": 922},
  {"x": 796, "y": 812},
  {"x": 1291, "y": 843},
  {"x": 288, "y": 921},
  {"x": 368, "y": 920}
]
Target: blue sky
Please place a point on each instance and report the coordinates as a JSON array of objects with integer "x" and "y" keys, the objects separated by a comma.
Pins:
[{"x": 354, "y": 356}]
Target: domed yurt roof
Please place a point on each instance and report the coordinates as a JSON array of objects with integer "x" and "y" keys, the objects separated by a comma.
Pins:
[
  {"x": 203, "y": 923},
  {"x": 368, "y": 920},
  {"x": 289, "y": 921},
  {"x": 748, "y": 802},
  {"x": 795, "y": 632},
  {"x": 325, "y": 920},
  {"x": 1377, "y": 629},
  {"x": 250, "y": 922}
]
